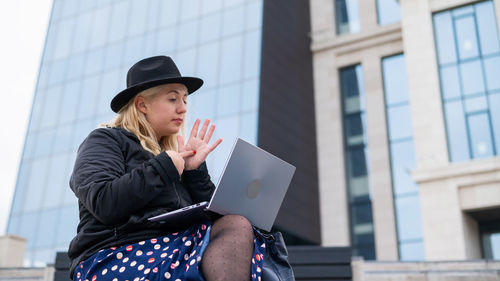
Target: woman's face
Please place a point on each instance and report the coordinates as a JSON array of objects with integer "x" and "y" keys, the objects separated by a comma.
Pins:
[{"x": 165, "y": 111}]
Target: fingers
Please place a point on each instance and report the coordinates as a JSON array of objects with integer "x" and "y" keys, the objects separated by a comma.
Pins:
[
  {"x": 195, "y": 128},
  {"x": 185, "y": 154},
  {"x": 180, "y": 144},
  {"x": 209, "y": 134},
  {"x": 204, "y": 128},
  {"x": 215, "y": 144}
]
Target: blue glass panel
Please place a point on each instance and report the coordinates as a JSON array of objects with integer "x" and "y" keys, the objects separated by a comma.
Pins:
[
  {"x": 21, "y": 186},
  {"x": 186, "y": 61},
  {"x": 133, "y": 50},
  {"x": 388, "y": 11},
  {"x": 51, "y": 107},
  {"x": 165, "y": 42},
  {"x": 88, "y": 99},
  {"x": 492, "y": 69},
  {"x": 68, "y": 221},
  {"x": 208, "y": 63},
  {"x": 100, "y": 22},
  {"x": 233, "y": 3},
  {"x": 57, "y": 72},
  {"x": 83, "y": 27},
  {"x": 445, "y": 41},
  {"x": 215, "y": 6},
  {"x": 354, "y": 129},
  {"x": 76, "y": 64},
  {"x": 63, "y": 139},
  {"x": 29, "y": 145},
  {"x": 57, "y": 180},
  {"x": 50, "y": 42},
  {"x": 403, "y": 163},
  {"x": 137, "y": 19},
  {"x": 476, "y": 104},
  {"x": 94, "y": 63},
  {"x": 37, "y": 111},
  {"x": 64, "y": 38},
  {"x": 43, "y": 76},
  {"x": 44, "y": 143},
  {"x": 412, "y": 251},
  {"x": 408, "y": 218},
  {"x": 234, "y": 21},
  {"x": 230, "y": 67},
  {"x": 69, "y": 7},
  {"x": 169, "y": 13},
  {"x": 347, "y": 16},
  {"x": 466, "y": 10},
  {"x": 472, "y": 77},
  {"x": 356, "y": 162},
  {"x": 228, "y": 128},
  {"x": 495, "y": 118},
  {"x": 457, "y": 133},
  {"x": 395, "y": 79},
  {"x": 69, "y": 101},
  {"x": 46, "y": 228},
  {"x": 41, "y": 257},
  {"x": 210, "y": 27},
  {"x": 250, "y": 96},
  {"x": 450, "y": 85},
  {"x": 188, "y": 34},
  {"x": 253, "y": 18},
  {"x": 202, "y": 106},
  {"x": 28, "y": 225},
  {"x": 13, "y": 225},
  {"x": 149, "y": 45},
  {"x": 113, "y": 55},
  {"x": 82, "y": 129},
  {"x": 252, "y": 54},
  {"x": 36, "y": 184},
  {"x": 480, "y": 135},
  {"x": 466, "y": 37},
  {"x": 119, "y": 21},
  {"x": 399, "y": 121},
  {"x": 152, "y": 19},
  {"x": 228, "y": 100},
  {"x": 190, "y": 9},
  {"x": 249, "y": 126},
  {"x": 495, "y": 246},
  {"x": 487, "y": 26},
  {"x": 108, "y": 90}
]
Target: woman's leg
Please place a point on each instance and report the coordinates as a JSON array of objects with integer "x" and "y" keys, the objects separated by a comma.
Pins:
[{"x": 228, "y": 256}]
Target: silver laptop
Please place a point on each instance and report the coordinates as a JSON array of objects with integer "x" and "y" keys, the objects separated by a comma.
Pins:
[{"x": 253, "y": 184}]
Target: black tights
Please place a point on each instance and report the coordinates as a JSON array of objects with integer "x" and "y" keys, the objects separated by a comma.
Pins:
[{"x": 228, "y": 255}]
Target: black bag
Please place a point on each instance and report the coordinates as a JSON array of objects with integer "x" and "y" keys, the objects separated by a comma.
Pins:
[{"x": 276, "y": 266}]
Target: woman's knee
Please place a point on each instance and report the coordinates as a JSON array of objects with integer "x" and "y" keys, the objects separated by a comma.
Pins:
[{"x": 233, "y": 223}]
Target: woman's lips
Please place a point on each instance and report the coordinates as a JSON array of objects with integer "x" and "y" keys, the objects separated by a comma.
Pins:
[{"x": 179, "y": 121}]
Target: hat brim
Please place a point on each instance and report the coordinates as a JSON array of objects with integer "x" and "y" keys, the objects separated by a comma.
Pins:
[{"x": 122, "y": 98}]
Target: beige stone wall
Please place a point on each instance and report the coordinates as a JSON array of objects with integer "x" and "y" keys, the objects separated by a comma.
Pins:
[{"x": 12, "y": 249}]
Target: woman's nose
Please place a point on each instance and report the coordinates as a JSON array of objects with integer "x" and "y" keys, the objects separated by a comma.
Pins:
[{"x": 182, "y": 108}]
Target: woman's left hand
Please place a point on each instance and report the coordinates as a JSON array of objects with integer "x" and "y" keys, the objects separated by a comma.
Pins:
[{"x": 198, "y": 142}]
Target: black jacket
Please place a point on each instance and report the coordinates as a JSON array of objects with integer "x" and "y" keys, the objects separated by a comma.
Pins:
[{"x": 119, "y": 185}]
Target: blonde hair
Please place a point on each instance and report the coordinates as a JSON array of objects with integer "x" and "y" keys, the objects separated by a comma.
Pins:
[{"x": 134, "y": 121}]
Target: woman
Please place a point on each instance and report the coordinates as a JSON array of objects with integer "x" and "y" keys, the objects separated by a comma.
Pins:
[{"x": 139, "y": 166}]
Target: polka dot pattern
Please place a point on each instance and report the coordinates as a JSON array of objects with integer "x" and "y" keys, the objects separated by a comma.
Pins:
[{"x": 176, "y": 256}]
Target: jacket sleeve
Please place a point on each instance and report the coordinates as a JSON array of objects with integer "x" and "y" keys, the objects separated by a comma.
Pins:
[
  {"x": 102, "y": 185},
  {"x": 198, "y": 183}
]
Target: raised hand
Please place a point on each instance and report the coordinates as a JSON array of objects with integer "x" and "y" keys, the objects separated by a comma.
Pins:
[
  {"x": 178, "y": 159},
  {"x": 198, "y": 143}
]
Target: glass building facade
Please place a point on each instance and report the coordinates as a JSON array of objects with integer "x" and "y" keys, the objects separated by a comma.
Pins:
[
  {"x": 402, "y": 152},
  {"x": 388, "y": 11},
  {"x": 347, "y": 16},
  {"x": 89, "y": 47},
  {"x": 469, "y": 66},
  {"x": 356, "y": 159}
]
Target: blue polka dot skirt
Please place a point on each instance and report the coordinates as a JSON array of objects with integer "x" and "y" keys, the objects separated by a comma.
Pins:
[{"x": 175, "y": 256}]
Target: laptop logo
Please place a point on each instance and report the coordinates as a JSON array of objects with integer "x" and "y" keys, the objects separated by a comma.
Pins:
[{"x": 254, "y": 188}]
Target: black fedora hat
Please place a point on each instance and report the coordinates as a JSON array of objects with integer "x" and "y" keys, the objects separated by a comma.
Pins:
[{"x": 152, "y": 72}]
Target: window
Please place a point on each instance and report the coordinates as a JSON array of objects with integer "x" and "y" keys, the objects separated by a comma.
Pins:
[
  {"x": 347, "y": 16},
  {"x": 388, "y": 11},
  {"x": 357, "y": 170},
  {"x": 468, "y": 53},
  {"x": 400, "y": 135}
]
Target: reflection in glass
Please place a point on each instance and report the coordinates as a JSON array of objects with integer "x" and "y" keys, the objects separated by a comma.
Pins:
[
  {"x": 347, "y": 16},
  {"x": 361, "y": 220},
  {"x": 468, "y": 85}
]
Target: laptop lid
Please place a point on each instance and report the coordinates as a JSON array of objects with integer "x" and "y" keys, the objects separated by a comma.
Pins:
[{"x": 253, "y": 184}]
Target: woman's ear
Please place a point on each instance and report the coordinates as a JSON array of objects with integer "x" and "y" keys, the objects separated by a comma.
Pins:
[{"x": 140, "y": 104}]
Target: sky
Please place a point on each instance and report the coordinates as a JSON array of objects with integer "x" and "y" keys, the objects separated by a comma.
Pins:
[{"x": 23, "y": 26}]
